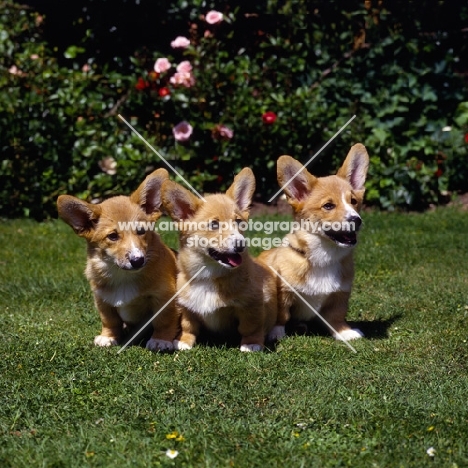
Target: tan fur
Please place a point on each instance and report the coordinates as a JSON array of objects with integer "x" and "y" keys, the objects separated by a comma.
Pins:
[
  {"x": 127, "y": 293},
  {"x": 223, "y": 297},
  {"x": 319, "y": 268}
]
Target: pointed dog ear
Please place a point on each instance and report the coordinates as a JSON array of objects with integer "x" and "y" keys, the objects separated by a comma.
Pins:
[
  {"x": 294, "y": 178},
  {"x": 242, "y": 189},
  {"x": 148, "y": 194},
  {"x": 354, "y": 168},
  {"x": 78, "y": 214},
  {"x": 178, "y": 201}
]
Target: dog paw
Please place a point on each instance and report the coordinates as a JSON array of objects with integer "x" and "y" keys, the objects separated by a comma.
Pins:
[
  {"x": 277, "y": 333},
  {"x": 159, "y": 345},
  {"x": 104, "y": 341},
  {"x": 347, "y": 335},
  {"x": 181, "y": 346},
  {"x": 249, "y": 348}
]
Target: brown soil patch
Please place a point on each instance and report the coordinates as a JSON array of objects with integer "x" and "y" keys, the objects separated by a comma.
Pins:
[{"x": 279, "y": 206}]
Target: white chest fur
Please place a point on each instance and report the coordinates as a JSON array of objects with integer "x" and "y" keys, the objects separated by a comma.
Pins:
[
  {"x": 319, "y": 283},
  {"x": 120, "y": 295},
  {"x": 322, "y": 280},
  {"x": 310, "y": 308},
  {"x": 202, "y": 298}
]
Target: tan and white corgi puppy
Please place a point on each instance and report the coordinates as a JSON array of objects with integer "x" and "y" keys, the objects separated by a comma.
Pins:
[
  {"x": 131, "y": 272},
  {"x": 234, "y": 292},
  {"x": 316, "y": 258}
]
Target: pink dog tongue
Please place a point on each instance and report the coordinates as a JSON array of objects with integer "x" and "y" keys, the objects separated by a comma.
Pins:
[{"x": 234, "y": 259}]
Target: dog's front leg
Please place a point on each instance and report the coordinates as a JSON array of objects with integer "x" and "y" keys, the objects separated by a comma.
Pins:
[
  {"x": 285, "y": 300},
  {"x": 111, "y": 324},
  {"x": 252, "y": 329},
  {"x": 334, "y": 311},
  {"x": 166, "y": 325},
  {"x": 190, "y": 325}
]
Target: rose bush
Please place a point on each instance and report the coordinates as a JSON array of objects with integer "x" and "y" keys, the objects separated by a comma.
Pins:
[{"x": 248, "y": 83}]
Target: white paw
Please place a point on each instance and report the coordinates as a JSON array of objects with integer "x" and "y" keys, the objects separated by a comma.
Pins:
[
  {"x": 347, "y": 335},
  {"x": 249, "y": 348},
  {"x": 159, "y": 345},
  {"x": 277, "y": 333},
  {"x": 104, "y": 341},
  {"x": 181, "y": 346}
]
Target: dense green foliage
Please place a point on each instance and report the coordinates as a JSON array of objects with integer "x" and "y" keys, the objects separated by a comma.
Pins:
[
  {"x": 283, "y": 77},
  {"x": 312, "y": 402}
]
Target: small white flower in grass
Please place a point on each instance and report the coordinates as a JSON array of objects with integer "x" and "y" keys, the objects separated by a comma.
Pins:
[
  {"x": 431, "y": 451},
  {"x": 171, "y": 453}
]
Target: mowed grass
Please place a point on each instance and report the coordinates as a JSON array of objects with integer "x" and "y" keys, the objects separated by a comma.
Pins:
[{"x": 311, "y": 402}]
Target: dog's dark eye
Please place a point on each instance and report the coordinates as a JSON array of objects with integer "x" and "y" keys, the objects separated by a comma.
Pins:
[
  {"x": 140, "y": 231},
  {"x": 328, "y": 206},
  {"x": 214, "y": 225},
  {"x": 353, "y": 201},
  {"x": 113, "y": 236},
  {"x": 238, "y": 221}
]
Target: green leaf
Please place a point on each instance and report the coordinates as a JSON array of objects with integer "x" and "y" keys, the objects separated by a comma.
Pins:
[{"x": 73, "y": 51}]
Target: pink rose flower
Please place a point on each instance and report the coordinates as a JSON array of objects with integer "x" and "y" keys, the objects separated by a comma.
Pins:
[
  {"x": 184, "y": 67},
  {"x": 180, "y": 42},
  {"x": 182, "y": 79},
  {"x": 213, "y": 17},
  {"x": 161, "y": 65},
  {"x": 221, "y": 132},
  {"x": 14, "y": 70},
  {"x": 182, "y": 131},
  {"x": 108, "y": 165}
]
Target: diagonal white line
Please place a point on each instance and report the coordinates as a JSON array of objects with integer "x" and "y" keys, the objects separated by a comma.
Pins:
[
  {"x": 161, "y": 309},
  {"x": 160, "y": 156},
  {"x": 314, "y": 311},
  {"x": 312, "y": 158}
]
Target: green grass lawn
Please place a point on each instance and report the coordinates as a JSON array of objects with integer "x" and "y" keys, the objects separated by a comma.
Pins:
[{"x": 312, "y": 402}]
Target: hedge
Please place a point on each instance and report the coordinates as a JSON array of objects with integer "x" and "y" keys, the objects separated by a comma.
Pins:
[{"x": 264, "y": 79}]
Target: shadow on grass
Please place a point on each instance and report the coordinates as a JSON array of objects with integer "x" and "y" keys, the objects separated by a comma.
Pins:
[
  {"x": 375, "y": 329},
  {"x": 205, "y": 338}
]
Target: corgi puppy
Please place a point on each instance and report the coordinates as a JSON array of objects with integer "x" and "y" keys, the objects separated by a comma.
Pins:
[
  {"x": 316, "y": 258},
  {"x": 131, "y": 272},
  {"x": 221, "y": 288}
]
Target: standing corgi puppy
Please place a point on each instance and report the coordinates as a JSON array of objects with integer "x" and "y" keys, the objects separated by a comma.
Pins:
[
  {"x": 233, "y": 291},
  {"x": 316, "y": 258},
  {"x": 131, "y": 272}
]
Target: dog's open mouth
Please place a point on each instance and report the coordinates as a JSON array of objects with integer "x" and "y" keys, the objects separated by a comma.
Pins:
[
  {"x": 346, "y": 238},
  {"x": 230, "y": 260}
]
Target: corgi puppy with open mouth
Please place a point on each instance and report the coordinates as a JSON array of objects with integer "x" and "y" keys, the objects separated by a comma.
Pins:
[
  {"x": 131, "y": 272},
  {"x": 316, "y": 258},
  {"x": 221, "y": 287}
]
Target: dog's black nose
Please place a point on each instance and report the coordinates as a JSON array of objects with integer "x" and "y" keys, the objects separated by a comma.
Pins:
[
  {"x": 355, "y": 222},
  {"x": 239, "y": 246},
  {"x": 137, "y": 262}
]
